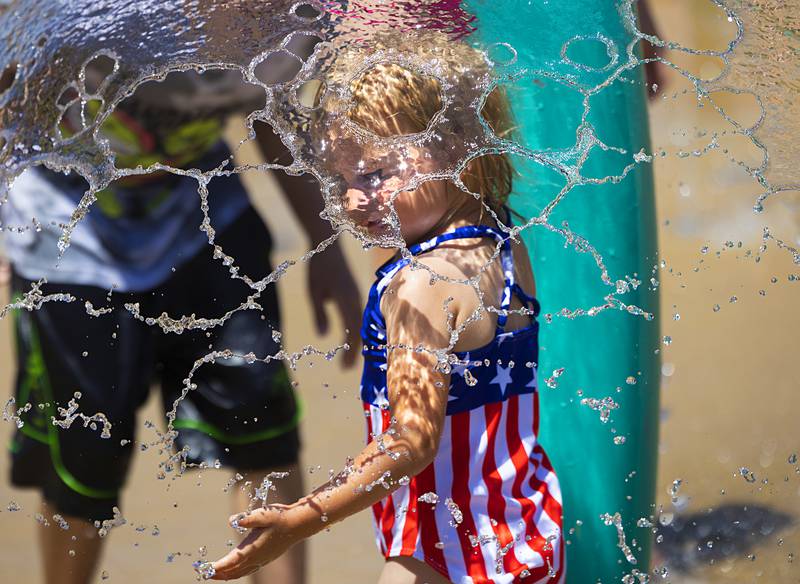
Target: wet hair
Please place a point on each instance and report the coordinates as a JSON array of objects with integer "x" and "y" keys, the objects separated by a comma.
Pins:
[{"x": 390, "y": 100}]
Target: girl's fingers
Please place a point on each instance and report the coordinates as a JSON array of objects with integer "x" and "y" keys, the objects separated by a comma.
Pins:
[
  {"x": 238, "y": 562},
  {"x": 229, "y": 567},
  {"x": 247, "y": 520},
  {"x": 234, "y": 572}
]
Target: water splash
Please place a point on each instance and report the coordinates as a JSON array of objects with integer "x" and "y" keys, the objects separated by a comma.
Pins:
[
  {"x": 71, "y": 413},
  {"x": 13, "y": 414},
  {"x": 47, "y": 75},
  {"x": 616, "y": 521},
  {"x": 457, "y": 517},
  {"x": 105, "y": 526}
]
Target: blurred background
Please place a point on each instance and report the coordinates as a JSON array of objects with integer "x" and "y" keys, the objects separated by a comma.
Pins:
[{"x": 729, "y": 477}]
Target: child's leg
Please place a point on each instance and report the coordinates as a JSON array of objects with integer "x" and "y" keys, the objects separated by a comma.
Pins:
[
  {"x": 57, "y": 544},
  {"x": 410, "y": 571}
]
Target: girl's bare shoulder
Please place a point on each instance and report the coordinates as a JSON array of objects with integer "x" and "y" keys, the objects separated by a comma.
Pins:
[
  {"x": 439, "y": 285},
  {"x": 438, "y": 270}
]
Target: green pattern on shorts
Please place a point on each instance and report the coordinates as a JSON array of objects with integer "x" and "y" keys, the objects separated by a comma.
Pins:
[
  {"x": 40, "y": 427},
  {"x": 281, "y": 379}
]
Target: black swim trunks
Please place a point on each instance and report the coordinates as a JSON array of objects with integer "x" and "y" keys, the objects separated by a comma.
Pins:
[{"x": 241, "y": 415}]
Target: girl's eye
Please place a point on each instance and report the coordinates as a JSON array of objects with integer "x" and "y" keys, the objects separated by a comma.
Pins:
[{"x": 373, "y": 179}]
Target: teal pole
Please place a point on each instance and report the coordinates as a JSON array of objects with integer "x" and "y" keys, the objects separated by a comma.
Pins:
[{"x": 613, "y": 354}]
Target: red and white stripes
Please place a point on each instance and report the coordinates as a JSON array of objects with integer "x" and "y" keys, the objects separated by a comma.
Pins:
[{"x": 503, "y": 520}]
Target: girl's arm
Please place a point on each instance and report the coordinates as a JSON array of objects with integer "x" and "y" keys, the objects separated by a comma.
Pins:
[{"x": 414, "y": 315}]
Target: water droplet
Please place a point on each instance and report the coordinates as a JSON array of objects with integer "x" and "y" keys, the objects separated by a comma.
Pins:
[
  {"x": 747, "y": 474},
  {"x": 430, "y": 497},
  {"x": 204, "y": 569},
  {"x": 469, "y": 379}
]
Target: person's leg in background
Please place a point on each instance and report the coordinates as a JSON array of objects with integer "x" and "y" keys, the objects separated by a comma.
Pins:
[
  {"x": 243, "y": 415},
  {"x": 406, "y": 570},
  {"x": 62, "y": 350},
  {"x": 69, "y": 556},
  {"x": 290, "y": 567}
]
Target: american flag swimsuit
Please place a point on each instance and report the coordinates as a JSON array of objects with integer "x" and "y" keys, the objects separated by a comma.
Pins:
[{"x": 488, "y": 509}]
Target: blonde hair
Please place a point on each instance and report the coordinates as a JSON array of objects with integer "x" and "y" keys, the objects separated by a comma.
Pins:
[{"x": 388, "y": 100}]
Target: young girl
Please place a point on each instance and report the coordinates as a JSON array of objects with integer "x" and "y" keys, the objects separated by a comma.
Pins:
[{"x": 461, "y": 490}]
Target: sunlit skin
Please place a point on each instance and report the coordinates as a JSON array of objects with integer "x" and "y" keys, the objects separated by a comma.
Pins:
[{"x": 414, "y": 312}]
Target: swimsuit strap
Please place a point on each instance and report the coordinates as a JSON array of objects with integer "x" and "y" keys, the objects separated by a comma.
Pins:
[
  {"x": 510, "y": 286},
  {"x": 391, "y": 267},
  {"x": 464, "y": 232}
]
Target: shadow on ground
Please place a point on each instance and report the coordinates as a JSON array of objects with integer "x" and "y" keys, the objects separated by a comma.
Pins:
[{"x": 727, "y": 531}]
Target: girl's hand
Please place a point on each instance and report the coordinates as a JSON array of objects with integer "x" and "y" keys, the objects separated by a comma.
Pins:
[{"x": 270, "y": 537}]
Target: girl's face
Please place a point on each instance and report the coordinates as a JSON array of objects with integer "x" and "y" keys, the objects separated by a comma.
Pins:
[{"x": 371, "y": 178}]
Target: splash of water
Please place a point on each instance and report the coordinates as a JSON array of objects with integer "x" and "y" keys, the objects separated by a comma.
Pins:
[
  {"x": 46, "y": 76},
  {"x": 616, "y": 521}
]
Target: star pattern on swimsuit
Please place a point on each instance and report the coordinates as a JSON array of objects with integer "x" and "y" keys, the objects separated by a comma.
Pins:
[
  {"x": 475, "y": 379},
  {"x": 380, "y": 396},
  {"x": 502, "y": 377},
  {"x": 461, "y": 368}
]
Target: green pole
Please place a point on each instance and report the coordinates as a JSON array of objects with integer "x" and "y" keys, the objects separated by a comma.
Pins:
[{"x": 613, "y": 354}]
